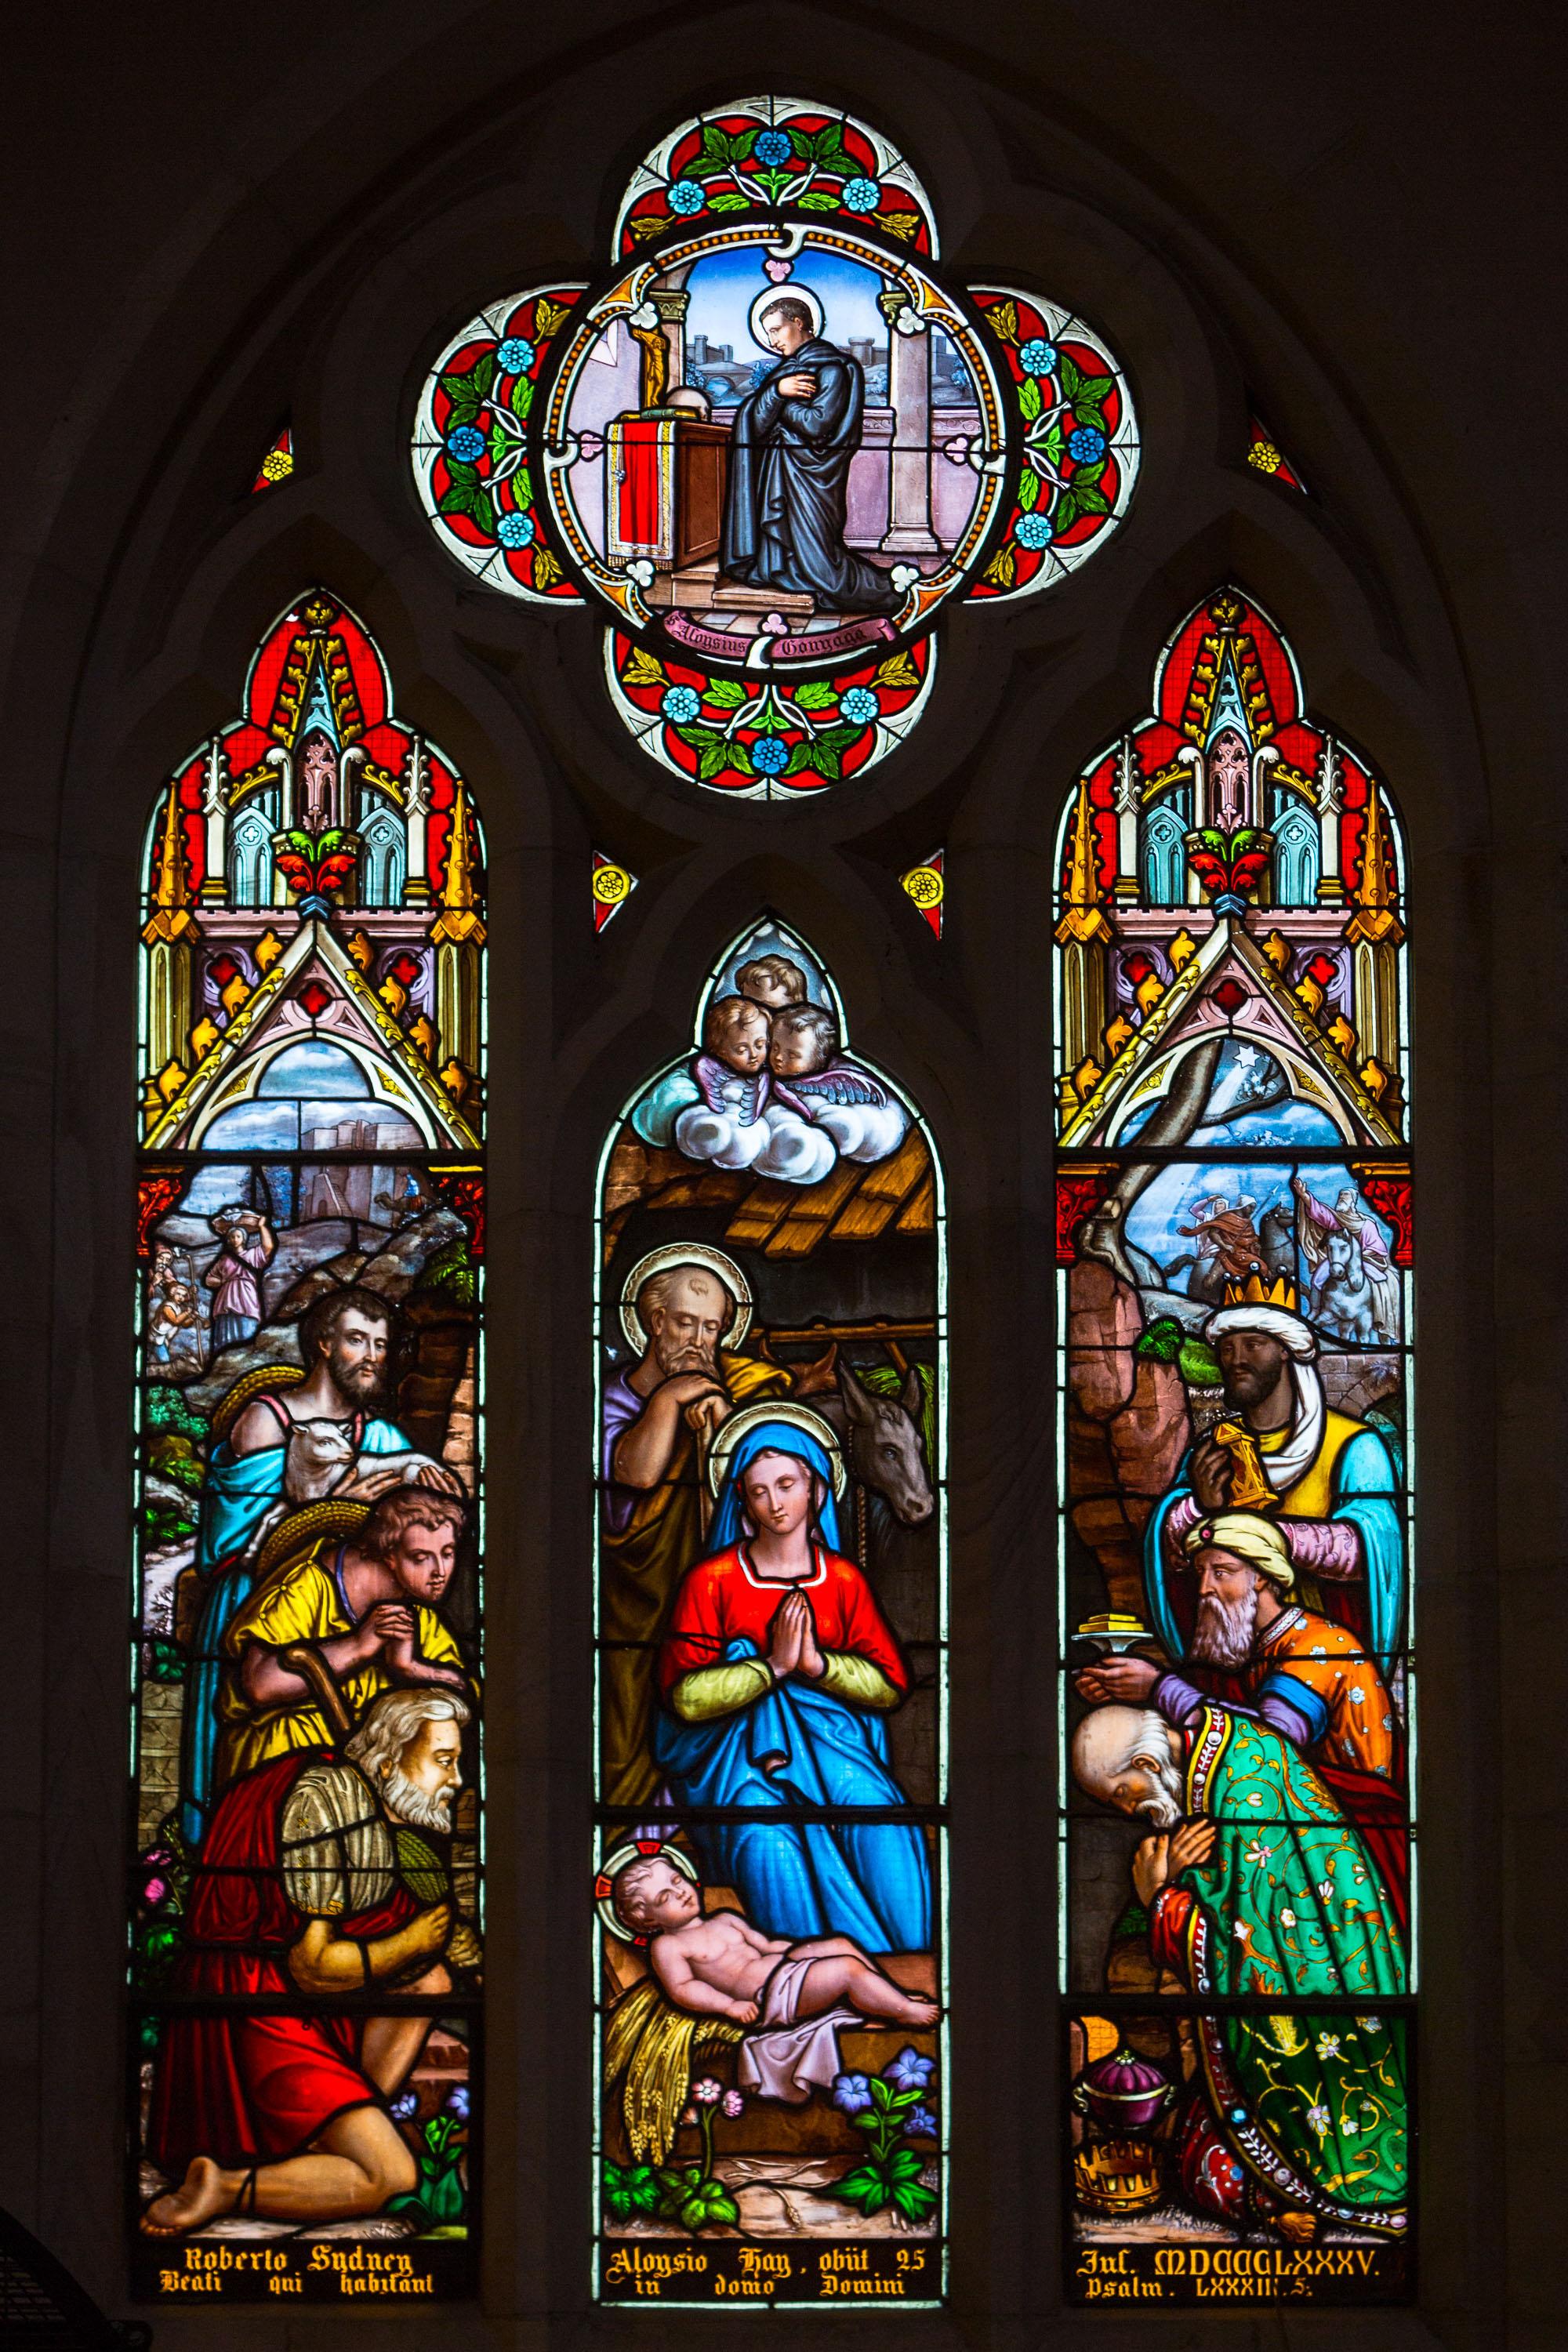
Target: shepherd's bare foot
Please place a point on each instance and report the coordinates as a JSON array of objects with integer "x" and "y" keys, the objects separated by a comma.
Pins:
[{"x": 204, "y": 2193}]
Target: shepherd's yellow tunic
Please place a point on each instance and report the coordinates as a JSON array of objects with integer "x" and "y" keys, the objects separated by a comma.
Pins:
[{"x": 305, "y": 1603}]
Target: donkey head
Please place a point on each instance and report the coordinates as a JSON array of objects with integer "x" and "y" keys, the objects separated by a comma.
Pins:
[{"x": 882, "y": 1445}]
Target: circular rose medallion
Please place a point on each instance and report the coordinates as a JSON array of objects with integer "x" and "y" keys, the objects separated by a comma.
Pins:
[{"x": 774, "y": 447}]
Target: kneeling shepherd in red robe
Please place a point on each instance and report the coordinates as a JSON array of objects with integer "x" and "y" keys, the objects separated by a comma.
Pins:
[{"x": 298, "y": 1892}]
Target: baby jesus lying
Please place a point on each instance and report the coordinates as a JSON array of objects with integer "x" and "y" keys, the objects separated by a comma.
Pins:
[{"x": 718, "y": 1965}]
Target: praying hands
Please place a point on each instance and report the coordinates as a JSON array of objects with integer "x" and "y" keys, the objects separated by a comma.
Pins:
[{"x": 793, "y": 1648}]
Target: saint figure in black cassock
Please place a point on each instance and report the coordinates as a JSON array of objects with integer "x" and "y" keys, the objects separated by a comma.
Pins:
[{"x": 789, "y": 473}]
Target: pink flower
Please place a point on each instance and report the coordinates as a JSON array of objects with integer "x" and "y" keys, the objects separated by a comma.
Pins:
[
  {"x": 734, "y": 2103},
  {"x": 707, "y": 2093},
  {"x": 688, "y": 2116},
  {"x": 153, "y": 1894},
  {"x": 776, "y": 269}
]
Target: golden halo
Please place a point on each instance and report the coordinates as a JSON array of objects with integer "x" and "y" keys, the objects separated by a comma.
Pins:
[
  {"x": 673, "y": 1253},
  {"x": 798, "y": 1416},
  {"x": 634, "y": 1850},
  {"x": 785, "y": 291}
]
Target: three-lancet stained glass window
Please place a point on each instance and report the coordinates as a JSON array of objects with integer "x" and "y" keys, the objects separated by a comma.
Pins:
[
  {"x": 306, "y": 1874},
  {"x": 1233, "y": 1232},
  {"x": 770, "y": 1540}
]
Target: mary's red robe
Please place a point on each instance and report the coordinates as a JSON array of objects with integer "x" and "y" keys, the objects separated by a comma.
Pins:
[{"x": 246, "y": 2086}]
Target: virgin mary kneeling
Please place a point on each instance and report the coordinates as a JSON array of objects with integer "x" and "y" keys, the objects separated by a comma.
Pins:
[{"x": 737, "y": 1733}]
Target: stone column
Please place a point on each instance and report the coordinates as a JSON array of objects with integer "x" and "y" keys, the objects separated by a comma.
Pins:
[
  {"x": 909, "y": 531},
  {"x": 672, "y": 307}
]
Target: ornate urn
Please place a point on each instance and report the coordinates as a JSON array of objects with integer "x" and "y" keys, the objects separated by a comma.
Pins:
[{"x": 1121, "y": 2097}]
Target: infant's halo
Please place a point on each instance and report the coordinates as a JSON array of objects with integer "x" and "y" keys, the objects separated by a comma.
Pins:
[{"x": 634, "y": 1850}]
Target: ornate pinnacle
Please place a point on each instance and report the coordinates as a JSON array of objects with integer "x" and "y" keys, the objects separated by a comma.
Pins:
[
  {"x": 1084, "y": 919},
  {"x": 1375, "y": 919},
  {"x": 171, "y": 917}
]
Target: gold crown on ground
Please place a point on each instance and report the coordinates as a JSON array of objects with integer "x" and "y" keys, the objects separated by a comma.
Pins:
[
  {"x": 1281, "y": 1293},
  {"x": 1118, "y": 2175}
]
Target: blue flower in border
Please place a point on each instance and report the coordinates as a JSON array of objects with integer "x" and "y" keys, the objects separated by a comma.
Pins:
[
  {"x": 681, "y": 705},
  {"x": 467, "y": 444},
  {"x": 687, "y": 196},
  {"x": 769, "y": 755},
  {"x": 1086, "y": 444},
  {"x": 1034, "y": 530},
  {"x": 860, "y": 704},
  {"x": 515, "y": 529},
  {"x": 772, "y": 148},
  {"x": 1036, "y": 357},
  {"x": 862, "y": 195},
  {"x": 909, "y": 2071},
  {"x": 516, "y": 355},
  {"x": 851, "y": 2093}
]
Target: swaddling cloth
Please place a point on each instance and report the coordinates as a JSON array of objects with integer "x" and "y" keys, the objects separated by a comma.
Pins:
[{"x": 785, "y": 2058}]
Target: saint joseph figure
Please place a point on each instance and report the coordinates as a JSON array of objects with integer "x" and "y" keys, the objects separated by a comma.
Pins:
[{"x": 793, "y": 440}]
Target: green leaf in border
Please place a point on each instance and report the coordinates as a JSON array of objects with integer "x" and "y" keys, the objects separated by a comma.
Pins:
[
  {"x": 1029, "y": 489},
  {"x": 1028, "y": 400},
  {"x": 815, "y": 695},
  {"x": 818, "y": 199},
  {"x": 725, "y": 693}
]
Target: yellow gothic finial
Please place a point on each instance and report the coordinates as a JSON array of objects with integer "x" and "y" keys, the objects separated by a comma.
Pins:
[
  {"x": 1374, "y": 918},
  {"x": 1084, "y": 919},
  {"x": 459, "y": 919},
  {"x": 171, "y": 917}
]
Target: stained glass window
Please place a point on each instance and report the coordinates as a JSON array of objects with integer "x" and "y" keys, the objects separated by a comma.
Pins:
[
  {"x": 306, "y": 1873},
  {"x": 1232, "y": 1232},
  {"x": 771, "y": 446},
  {"x": 769, "y": 1864}
]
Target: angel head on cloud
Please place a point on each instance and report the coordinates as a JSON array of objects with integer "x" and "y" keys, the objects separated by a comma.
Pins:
[{"x": 771, "y": 1088}]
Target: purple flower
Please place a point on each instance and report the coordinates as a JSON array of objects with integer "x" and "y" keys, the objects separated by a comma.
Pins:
[
  {"x": 920, "y": 2124},
  {"x": 515, "y": 529},
  {"x": 769, "y": 756},
  {"x": 467, "y": 443},
  {"x": 516, "y": 355},
  {"x": 851, "y": 2093},
  {"x": 707, "y": 2093},
  {"x": 909, "y": 2071},
  {"x": 734, "y": 2103},
  {"x": 1036, "y": 357},
  {"x": 862, "y": 195},
  {"x": 458, "y": 2102},
  {"x": 407, "y": 2107},
  {"x": 687, "y": 196},
  {"x": 860, "y": 704},
  {"x": 772, "y": 148}
]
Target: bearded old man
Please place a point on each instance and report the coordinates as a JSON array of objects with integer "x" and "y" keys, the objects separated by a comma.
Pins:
[
  {"x": 787, "y": 495},
  {"x": 1333, "y": 1479},
  {"x": 347, "y": 1345},
  {"x": 315, "y": 1881},
  {"x": 1299, "y": 2117},
  {"x": 661, "y": 1416},
  {"x": 1306, "y": 1677}
]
